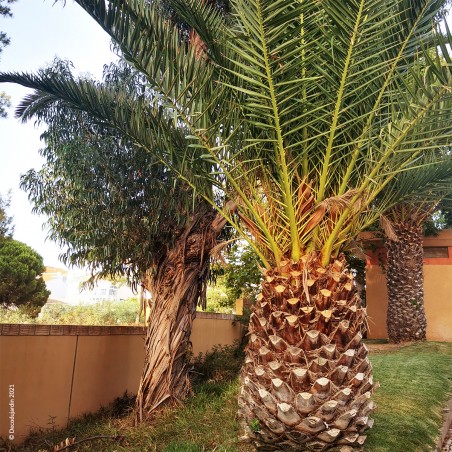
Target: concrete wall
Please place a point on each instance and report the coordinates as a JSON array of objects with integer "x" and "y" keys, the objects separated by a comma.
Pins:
[
  {"x": 437, "y": 292},
  {"x": 54, "y": 373}
]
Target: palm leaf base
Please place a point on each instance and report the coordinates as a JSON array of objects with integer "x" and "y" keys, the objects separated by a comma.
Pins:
[{"x": 306, "y": 382}]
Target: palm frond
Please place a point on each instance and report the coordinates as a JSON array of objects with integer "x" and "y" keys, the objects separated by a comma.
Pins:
[{"x": 306, "y": 114}]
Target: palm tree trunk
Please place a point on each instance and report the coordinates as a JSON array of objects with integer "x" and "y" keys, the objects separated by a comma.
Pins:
[
  {"x": 307, "y": 381},
  {"x": 406, "y": 319},
  {"x": 176, "y": 285}
]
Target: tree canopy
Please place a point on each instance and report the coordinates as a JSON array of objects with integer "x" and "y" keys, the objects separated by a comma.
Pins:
[
  {"x": 5, "y": 11},
  {"x": 114, "y": 207},
  {"x": 305, "y": 171},
  {"x": 242, "y": 275},
  {"x": 21, "y": 283}
]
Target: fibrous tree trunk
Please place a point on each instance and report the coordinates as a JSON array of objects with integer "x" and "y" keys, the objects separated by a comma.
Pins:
[
  {"x": 306, "y": 381},
  {"x": 143, "y": 303},
  {"x": 406, "y": 319},
  {"x": 176, "y": 285}
]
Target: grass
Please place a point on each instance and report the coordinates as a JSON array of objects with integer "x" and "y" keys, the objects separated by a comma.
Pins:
[
  {"x": 416, "y": 381},
  {"x": 206, "y": 422}
]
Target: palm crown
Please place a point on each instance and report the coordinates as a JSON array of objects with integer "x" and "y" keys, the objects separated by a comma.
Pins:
[
  {"x": 336, "y": 100},
  {"x": 301, "y": 112}
]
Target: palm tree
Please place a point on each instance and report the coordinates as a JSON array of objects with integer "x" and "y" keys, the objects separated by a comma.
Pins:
[
  {"x": 301, "y": 114},
  {"x": 403, "y": 226},
  {"x": 406, "y": 319}
]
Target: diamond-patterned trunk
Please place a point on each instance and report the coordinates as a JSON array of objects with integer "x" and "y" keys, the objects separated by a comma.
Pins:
[
  {"x": 306, "y": 381},
  {"x": 406, "y": 319}
]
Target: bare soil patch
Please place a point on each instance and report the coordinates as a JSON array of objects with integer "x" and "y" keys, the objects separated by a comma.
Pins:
[{"x": 384, "y": 347}]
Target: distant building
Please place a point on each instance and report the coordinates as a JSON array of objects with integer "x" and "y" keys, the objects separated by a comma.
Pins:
[{"x": 66, "y": 287}]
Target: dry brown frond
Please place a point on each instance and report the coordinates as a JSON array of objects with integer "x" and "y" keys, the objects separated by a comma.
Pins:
[
  {"x": 216, "y": 253},
  {"x": 315, "y": 219},
  {"x": 387, "y": 226},
  {"x": 335, "y": 204}
]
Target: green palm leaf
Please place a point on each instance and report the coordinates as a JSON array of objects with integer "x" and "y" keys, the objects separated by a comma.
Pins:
[{"x": 277, "y": 96}]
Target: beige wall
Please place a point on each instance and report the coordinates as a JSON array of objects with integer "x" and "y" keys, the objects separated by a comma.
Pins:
[
  {"x": 62, "y": 372},
  {"x": 438, "y": 302},
  {"x": 437, "y": 293},
  {"x": 105, "y": 367},
  {"x": 207, "y": 333},
  {"x": 40, "y": 368},
  {"x": 377, "y": 302}
]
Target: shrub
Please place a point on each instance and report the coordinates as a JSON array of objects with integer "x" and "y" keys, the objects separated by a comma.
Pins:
[
  {"x": 219, "y": 298},
  {"x": 221, "y": 364},
  {"x": 14, "y": 314},
  {"x": 105, "y": 313}
]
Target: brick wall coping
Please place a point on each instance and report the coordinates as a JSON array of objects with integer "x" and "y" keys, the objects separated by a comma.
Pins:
[
  {"x": 11, "y": 329},
  {"x": 444, "y": 238}
]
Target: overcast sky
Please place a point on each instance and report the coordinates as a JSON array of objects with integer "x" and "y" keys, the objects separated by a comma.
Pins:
[{"x": 39, "y": 31}]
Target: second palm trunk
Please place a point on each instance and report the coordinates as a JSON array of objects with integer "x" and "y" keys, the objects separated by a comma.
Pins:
[{"x": 406, "y": 319}]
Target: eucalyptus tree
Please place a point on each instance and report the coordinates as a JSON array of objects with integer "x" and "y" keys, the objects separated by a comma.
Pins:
[
  {"x": 119, "y": 212},
  {"x": 301, "y": 113}
]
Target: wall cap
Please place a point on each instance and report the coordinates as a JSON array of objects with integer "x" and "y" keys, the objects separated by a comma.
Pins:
[{"x": 13, "y": 329}]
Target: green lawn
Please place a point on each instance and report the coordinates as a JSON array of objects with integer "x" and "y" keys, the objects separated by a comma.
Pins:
[{"x": 415, "y": 383}]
